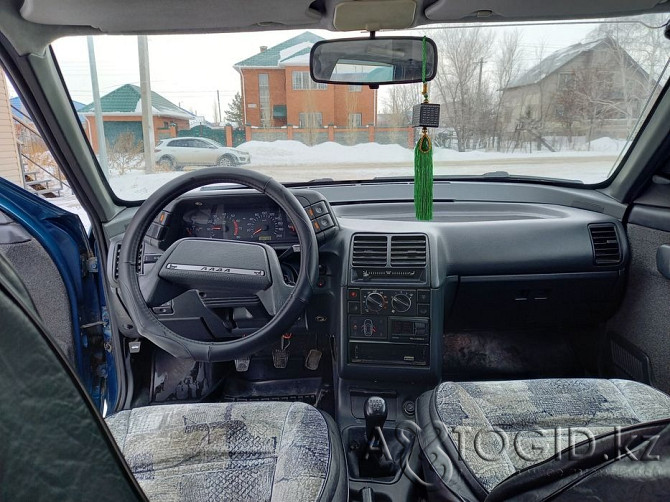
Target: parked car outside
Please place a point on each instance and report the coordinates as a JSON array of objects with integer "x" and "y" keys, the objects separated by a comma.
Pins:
[{"x": 177, "y": 153}]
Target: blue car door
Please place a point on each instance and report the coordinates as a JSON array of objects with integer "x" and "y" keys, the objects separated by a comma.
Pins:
[{"x": 64, "y": 238}]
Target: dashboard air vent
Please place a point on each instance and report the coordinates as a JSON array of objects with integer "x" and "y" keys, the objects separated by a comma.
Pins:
[
  {"x": 369, "y": 251},
  {"x": 408, "y": 251},
  {"x": 117, "y": 257},
  {"x": 606, "y": 246}
]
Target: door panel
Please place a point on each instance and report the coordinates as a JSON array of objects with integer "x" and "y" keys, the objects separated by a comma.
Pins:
[{"x": 643, "y": 320}]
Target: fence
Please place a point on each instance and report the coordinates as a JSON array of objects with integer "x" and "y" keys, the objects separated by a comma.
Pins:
[{"x": 404, "y": 136}]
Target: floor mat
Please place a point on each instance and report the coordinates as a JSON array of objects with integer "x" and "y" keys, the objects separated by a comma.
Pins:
[{"x": 478, "y": 355}]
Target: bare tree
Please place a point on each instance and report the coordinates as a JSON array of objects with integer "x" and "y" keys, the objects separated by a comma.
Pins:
[
  {"x": 125, "y": 153},
  {"x": 459, "y": 83},
  {"x": 399, "y": 103},
  {"x": 508, "y": 67}
]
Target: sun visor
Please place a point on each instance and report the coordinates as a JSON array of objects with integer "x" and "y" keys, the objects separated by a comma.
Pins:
[
  {"x": 128, "y": 16},
  {"x": 374, "y": 15},
  {"x": 455, "y": 10}
]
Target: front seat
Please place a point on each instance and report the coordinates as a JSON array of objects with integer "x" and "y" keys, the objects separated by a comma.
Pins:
[
  {"x": 56, "y": 446},
  {"x": 545, "y": 439}
]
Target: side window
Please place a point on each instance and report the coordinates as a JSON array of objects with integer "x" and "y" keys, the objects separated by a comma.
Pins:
[
  {"x": 179, "y": 143},
  {"x": 25, "y": 159},
  {"x": 198, "y": 143}
]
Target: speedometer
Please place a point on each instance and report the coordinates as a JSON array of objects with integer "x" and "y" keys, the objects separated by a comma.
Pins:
[{"x": 265, "y": 226}]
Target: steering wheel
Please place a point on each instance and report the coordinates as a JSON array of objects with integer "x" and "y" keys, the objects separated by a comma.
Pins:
[{"x": 230, "y": 268}]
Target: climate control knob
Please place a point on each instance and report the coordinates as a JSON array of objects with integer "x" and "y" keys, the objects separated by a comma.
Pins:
[
  {"x": 374, "y": 302},
  {"x": 401, "y": 302}
]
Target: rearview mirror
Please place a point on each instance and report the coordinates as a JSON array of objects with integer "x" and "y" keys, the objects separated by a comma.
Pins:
[{"x": 372, "y": 61}]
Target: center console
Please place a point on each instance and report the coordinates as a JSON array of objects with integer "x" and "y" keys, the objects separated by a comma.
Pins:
[
  {"x": 389, "y": 351},
  {"x": 390, "y": 329}
]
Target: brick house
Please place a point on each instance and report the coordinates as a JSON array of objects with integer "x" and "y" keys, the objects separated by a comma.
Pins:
[
  {"x": 277, "y": 91},
  {"x": 122, "y": 113}
]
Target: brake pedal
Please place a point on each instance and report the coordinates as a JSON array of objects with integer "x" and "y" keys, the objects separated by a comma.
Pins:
[{"x": 280, "y": 355}]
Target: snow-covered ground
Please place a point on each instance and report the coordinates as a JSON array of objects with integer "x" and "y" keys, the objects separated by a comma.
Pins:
[{"x": 294, "y": 161}]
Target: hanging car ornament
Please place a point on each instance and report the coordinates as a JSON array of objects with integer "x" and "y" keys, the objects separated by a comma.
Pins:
[{"x": 424, "y": 115}]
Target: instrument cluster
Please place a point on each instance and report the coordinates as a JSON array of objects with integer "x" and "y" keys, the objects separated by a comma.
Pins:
[{"x": 257, "y": 223}]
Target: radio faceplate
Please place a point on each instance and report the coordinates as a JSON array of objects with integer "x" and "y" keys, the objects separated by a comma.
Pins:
[{"x": 388, "y": 326}]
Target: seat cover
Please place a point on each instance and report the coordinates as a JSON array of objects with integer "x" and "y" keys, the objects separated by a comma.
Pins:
[
  {"x": 252, "y": 451},
  {"x": 490, "y": 430}
]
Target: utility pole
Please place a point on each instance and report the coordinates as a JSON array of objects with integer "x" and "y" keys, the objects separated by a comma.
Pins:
[
  {"x": 218, "y": 100},
  {"x": 97, "y": 107},
  {"x": 479, "y": 101},
  {"x": 147, "y": 111}
]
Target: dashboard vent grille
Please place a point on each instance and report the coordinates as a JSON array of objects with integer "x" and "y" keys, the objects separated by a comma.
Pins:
[
  {"x": 117, "y": 257},
  {"x": 408, "y": 251},
  {"x": 369, "y": 251},
  {"x": 606, "y": 246}
]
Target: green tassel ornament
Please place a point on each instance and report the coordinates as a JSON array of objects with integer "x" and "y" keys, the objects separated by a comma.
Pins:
[
  {"x": 423, "y": 178},
  {"x": 423, "y": 159}
]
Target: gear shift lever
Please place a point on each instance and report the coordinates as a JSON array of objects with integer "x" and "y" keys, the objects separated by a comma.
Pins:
[{"x": 375, "y": 413}]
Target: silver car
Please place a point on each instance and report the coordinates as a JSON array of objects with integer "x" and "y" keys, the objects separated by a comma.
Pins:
[{"x": 177, "y": 153}]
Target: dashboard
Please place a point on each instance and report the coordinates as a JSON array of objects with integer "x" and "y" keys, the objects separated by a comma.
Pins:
[
  {"x": 389, "y": 287},
  {"x": 263, "y": 222}
]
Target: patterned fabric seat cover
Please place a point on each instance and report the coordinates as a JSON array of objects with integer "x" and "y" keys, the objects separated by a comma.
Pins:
[
  {"x": 499, "y": 428},
  {"x": 264, "y": 451}
]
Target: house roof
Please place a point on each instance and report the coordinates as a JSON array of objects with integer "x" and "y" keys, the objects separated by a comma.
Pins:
[
  {"x": 271, "y": 57},
  {"x": 19, "y": 110},
  {"x": 555, "y": 61},
  {"x": 128, "y": 99}
]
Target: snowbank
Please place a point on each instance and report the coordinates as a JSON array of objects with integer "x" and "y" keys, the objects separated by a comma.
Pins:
[
  {"x": 288, "y": 152},
  {"x": 609, "y": 145}
]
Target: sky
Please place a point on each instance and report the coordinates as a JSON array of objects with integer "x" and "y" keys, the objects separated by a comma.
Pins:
[{"x": 189, "y": 69}]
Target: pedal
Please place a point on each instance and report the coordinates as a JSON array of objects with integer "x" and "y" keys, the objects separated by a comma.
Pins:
[
  {"x": 313, "y": 359},
  {"x": 280, "y": 358},
  {"x": 242, "y": 365}
]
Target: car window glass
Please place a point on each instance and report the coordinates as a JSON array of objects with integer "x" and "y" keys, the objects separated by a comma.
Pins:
[{"x": 25, "y": 158}]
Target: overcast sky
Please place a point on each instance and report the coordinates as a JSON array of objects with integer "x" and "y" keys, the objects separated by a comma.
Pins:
[{"x": 189, "y": 69}]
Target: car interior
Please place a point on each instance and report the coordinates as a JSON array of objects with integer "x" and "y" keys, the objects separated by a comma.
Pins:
[{"x": 232, "y": 335}]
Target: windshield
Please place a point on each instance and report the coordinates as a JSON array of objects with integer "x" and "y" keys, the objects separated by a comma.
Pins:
[{"x": 557, "y": 101}]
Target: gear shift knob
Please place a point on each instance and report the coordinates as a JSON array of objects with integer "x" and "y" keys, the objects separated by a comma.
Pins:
[{"x": 375, "y": 413}]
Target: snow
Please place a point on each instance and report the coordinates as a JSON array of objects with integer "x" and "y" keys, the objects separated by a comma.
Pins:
[
  {"x": 294, "y": 161},
  {"x": 607, "y": 145}
]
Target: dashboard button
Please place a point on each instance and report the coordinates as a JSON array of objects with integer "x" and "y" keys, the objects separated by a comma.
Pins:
[
  {"x": 354, "y": 294},
  {"x": 325, "y": 221},
  {"x": 423, "y": 310},
  {"x": 423, "y": 296},
  {"x": 319, "y": 209},
  {"x": 317, "y": 227},
  {"x": 354, "y": 307}
]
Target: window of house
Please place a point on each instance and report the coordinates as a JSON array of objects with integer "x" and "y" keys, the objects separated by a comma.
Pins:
[
  {"x": 566, "y": 80},
  {"x": 302, "y": 81},
  {"x": 355, "y": 120},
  {"x": 264, "y": 98},
  {"x": 310, "y": 120},
  {"x": 355, "y": 88}
]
